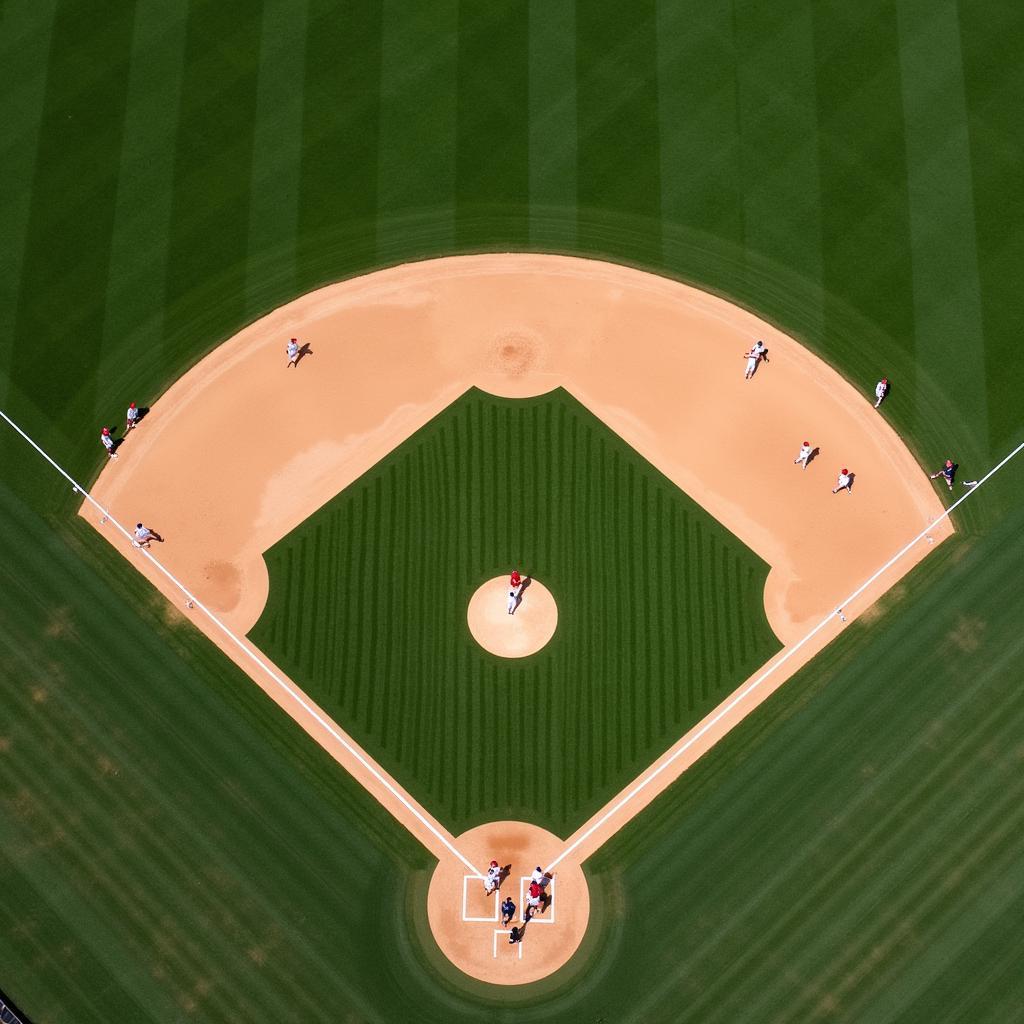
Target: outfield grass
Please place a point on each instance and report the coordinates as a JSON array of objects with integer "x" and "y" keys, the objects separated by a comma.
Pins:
[
  {"x": 173, "y": 170},
  {"x": 661, "y": 612}
]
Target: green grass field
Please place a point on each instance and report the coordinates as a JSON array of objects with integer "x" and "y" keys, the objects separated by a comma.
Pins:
[
  {"x": 173, "y": 849},
  {"x": 661, "y": 612}
]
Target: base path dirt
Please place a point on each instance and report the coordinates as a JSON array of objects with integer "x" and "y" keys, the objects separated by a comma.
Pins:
[{"x": 242, "y": 449}]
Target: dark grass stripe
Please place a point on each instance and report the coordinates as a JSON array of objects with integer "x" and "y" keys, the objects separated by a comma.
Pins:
[
  {"x": 618, "y": 130},
  {"x": 205, "y": 289},
  {"x": 338, "y": 200},
  {"x": 865, "y": 216},
  {"x": 491, "y": 159},
  {"x": 25, "y": 45},
  {"x": 990, "y": 35},
  {"x": 60, "y": 300}
]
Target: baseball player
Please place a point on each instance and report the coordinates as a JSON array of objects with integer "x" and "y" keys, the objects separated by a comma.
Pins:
[
  {"x": 514, "y": 936},
  {"x": 508, "y": 911},
  {"x": 754, "y": 356},
  {"x": 143, "y": 536},
  {"x": 537, "y": 876},
  {"x": 533, "y": 900},
  {"x": 108, "y": 442},
  {"x": 804, "y": 454},
  {"x": 293, "y": 352},
  {"x": 515, "y": 584},
  {"x": 493, "y": 879},
  {"x": 844, "y": 482},
  {"x": 948, "y": 471},
  {"x": 881, "y": 390},
  {"x": 131, "y": 418}
]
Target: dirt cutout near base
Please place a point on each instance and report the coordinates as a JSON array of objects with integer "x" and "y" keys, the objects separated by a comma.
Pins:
[{"x": 241, "y": 450}]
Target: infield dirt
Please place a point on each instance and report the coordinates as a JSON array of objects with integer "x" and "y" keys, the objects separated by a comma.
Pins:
[{"x": 241, "y": 450}]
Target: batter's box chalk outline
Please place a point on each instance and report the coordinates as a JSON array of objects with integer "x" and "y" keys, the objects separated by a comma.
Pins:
[
  {"x": 548, "y": 916},
  {"x": 502, "y": 931},
  {"x": 496, "y": 916}
]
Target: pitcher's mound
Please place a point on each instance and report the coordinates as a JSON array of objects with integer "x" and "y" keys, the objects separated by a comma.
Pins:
[{"x": 525, "y": 631}]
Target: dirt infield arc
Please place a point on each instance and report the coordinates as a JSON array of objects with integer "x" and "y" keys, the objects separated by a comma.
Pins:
[{"x": 241, "y": 450}]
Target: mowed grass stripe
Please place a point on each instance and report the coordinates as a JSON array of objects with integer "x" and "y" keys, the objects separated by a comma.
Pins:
[
  {"x": 552, "y": 132},
  {"x": 417, "y": 149},
  {"x": 24, "y": 50},
  {"x": 142, "y": 207},
  {"x": 205, "y": 289},
  {"x": 618, "y": 140},
  {"x": 864, "y": 207},
  {"x": 947, "y": 290},
  {"x": 491, "y": 159},
  {"x": 551, "y": 736},
  {"x": 990, "y": 34},
  {"x": 276, "y": 155},
  {"x": 340, "y": 139},
  {"x": 774, "y": 63},
  {"x": 698, "y": 116},
  {"x": 60, "y": 301}
]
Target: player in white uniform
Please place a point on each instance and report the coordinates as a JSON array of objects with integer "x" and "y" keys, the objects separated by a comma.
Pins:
[
  {"x": 493, "y": 879},
  {"x": 804, "y": 454},
  {"x": 108, "y": 442},
  {"x": 881, "y": 390},
  {"x": 293, "y": 352},
  {"x": 843, "y": 482},
  {"x": 131, "y": 418},
  {"x": 753, "y": 357},
  {"x": 516, "y": 584},
  {"x": 143, "y": 536}
]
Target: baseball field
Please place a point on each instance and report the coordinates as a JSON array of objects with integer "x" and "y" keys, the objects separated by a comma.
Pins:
[{"x": 187, "y": 184}]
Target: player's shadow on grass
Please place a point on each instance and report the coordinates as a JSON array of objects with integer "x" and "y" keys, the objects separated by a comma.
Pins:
[{"x": 143, "y": 412}]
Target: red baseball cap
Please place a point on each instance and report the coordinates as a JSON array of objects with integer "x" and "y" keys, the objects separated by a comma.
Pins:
[
  {"x": 845, "y": 471},
  {"x": 807, "y": 442},
  {"x": 131, "y": 405},
  {"x": 494, "y": 863},
  {"x": 106, "y": 430}
]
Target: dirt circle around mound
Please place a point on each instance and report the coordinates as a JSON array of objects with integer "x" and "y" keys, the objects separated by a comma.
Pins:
[
  {"x": 467, "y": 924},
  {"x": 529, "y": 627}
]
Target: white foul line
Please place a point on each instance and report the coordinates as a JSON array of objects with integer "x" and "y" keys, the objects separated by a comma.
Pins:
[
  {"x": 718, "y": 715},
  {"x": 283, "y": 684}
]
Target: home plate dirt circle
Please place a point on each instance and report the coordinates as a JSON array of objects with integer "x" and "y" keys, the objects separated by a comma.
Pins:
[
  {"x": 524, "y": 632},
  {"x": 467, "y": 924}
]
